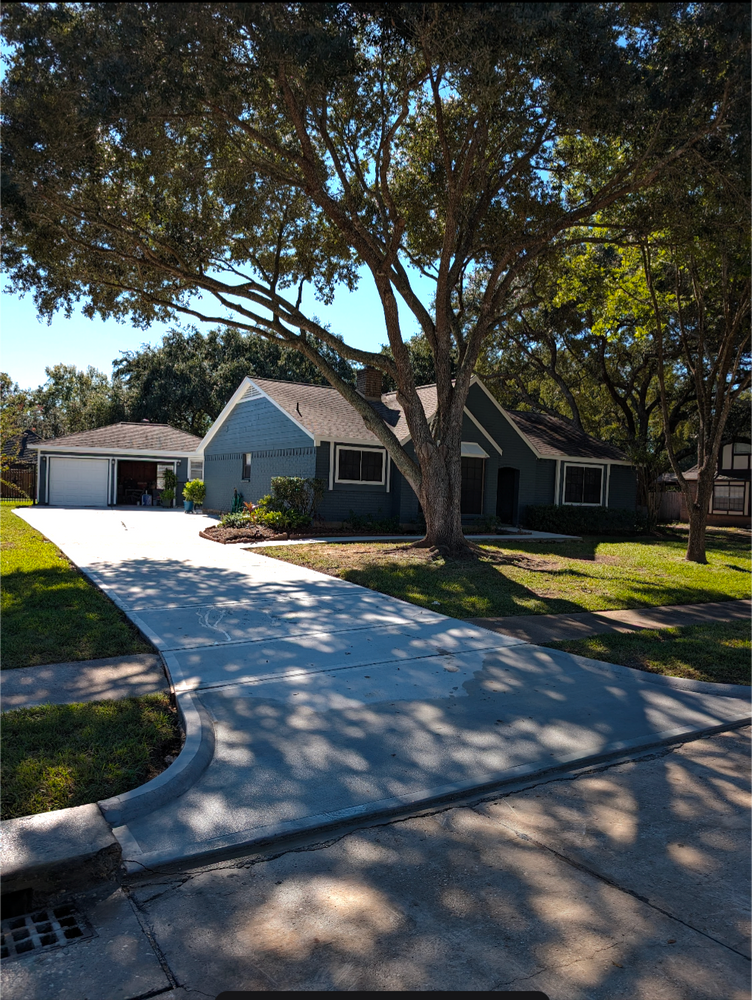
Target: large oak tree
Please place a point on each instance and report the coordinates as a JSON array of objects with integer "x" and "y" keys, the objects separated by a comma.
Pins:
[{"x": 215, "y": 159}]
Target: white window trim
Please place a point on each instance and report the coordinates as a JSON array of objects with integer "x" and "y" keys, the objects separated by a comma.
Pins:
[
  {"x": 359, "y": 482},
  {"x": 246, "y": 455},
  {"x": 574, "y": 503}
]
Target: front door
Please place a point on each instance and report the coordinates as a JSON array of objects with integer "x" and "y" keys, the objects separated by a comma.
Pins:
[
  {"x": 507, "y": 495},
  {"x": 472, "y": 486}
]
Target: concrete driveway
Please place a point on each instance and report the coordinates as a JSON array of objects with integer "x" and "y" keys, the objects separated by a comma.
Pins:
[{"x": 310, "y": 701}]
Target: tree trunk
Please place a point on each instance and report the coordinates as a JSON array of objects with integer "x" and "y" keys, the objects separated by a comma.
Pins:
[
  {"x": 696, "y": 541},
  {"x": 697, "y": 510},
  {"x": 440, "y": 498}
]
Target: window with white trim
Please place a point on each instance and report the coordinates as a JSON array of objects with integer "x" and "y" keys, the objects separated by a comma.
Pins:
[
  {"x": 583, "y": 484},
  {"x": 360, "y": 465},
  {"x": 736, "y": 456},
  {"x": 728, "y": 498},
  {"x": 246, "y": 470},
  {"x": 196, "y": 470}
]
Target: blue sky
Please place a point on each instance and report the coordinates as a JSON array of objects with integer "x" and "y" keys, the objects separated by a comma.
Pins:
[{"x": 29, "y": 345}]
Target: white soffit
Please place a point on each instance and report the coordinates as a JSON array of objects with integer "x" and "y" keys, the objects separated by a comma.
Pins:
[{"x": 472, "y": 450}]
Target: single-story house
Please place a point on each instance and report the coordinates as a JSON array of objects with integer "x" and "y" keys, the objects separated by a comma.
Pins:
[
  {"x": 509, "y": 459},
  {"x": 118, "y": 464},
  {"x": 730, "y": 500}
]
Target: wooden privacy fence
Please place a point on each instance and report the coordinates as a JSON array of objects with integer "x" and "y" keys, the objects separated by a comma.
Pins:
[{"x": 19, "y": 484}]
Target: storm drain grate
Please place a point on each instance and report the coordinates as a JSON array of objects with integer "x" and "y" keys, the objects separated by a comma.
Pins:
[{"x": 41, "y": 929}]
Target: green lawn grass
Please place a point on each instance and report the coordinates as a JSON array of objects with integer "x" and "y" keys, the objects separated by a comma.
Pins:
[
  {"x": 50, "y": 612},
  {"x": 514, "y": 577},
  {"x": 56, "y": 756},
  {"x": 701, "y": 652}
]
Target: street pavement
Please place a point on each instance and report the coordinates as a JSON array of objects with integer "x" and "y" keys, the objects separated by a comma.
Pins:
[{"x": 627, "y": 881}]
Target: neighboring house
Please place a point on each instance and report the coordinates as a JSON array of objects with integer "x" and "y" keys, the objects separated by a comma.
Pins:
[
  {"x": 19, "y": 478},
  {"x": 115, "y": 464},
  {"x": 730, "y": 501},
  {"x": 17, "y": 450},
  {"x": 509, "y": 460}
]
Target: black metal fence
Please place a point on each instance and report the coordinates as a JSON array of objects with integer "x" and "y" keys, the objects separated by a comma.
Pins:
[{"x": 19, "y": 483}]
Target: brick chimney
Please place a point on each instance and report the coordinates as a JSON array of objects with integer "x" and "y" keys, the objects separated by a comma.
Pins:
[{"x": 370, "y": 383}]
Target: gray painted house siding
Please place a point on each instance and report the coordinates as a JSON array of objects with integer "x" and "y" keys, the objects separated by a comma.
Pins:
[
  {"x": 516, "y": 455},
  {"x": 278, "y": 447},
  {"x": 545, "y": 480},
  {"x": 344, "y": 498}
]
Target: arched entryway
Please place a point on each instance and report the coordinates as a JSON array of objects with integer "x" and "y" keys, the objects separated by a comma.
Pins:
[{"x": 507, "y": 495}]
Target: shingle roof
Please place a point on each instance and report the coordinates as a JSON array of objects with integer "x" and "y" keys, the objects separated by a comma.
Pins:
[
  {"x": 17, "y": 448},
  {"x": 555, "y": 438},
  {"x": 328, "y": 416},
  {"x": 146, "y": 437}
]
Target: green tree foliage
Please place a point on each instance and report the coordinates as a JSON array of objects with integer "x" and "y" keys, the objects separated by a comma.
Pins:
[
  {"x": 13, "y": 419},
  {"x": 187, "y": 379},
  {"x": 76, "y": 400},
  {"x": 213, "y": 160},
  {"x": 553, "y": 355}
]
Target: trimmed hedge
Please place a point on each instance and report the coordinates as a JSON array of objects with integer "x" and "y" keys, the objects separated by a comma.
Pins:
[{"x": 570, "y": 520}]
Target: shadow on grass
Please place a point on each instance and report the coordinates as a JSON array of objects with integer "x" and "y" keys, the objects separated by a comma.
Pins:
[
  {"x": 54, "y": 614},
  {"x": 716, "y": 653},
  {"x": 58, "y": 756},
  {"x": 530, "y": 579}
]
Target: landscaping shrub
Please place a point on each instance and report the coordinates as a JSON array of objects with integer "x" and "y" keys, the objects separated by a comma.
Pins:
[
  {"x": 291, "y": 504},
  {"x": 195, "y": 490},
  {"x": 295, "y": 494},
  {"x": 283, "y": 520},
  {"x": 367, "y": 522},
  {"x": 571, "y": 520},
  {"x": 238, "y": 519}
]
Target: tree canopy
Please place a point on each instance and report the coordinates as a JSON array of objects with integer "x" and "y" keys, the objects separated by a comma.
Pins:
[{"x": 214, "y": 160}]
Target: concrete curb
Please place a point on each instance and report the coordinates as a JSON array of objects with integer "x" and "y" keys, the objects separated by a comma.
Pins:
[
  {"x": 192, "y": 761},
  {"x": 74, "y": 846},
  {"x": 136, "y": 862}
]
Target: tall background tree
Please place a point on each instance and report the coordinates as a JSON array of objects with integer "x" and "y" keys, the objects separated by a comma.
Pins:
[
  {"x": 189, "y": 377},
  {"x": 214, "y": 160}
]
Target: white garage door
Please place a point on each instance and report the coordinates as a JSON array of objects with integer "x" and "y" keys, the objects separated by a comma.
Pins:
[{"x": 79, "y": 482}]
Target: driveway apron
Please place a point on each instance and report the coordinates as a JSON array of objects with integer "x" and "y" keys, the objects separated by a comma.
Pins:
[{"x": 324, "y": 702}]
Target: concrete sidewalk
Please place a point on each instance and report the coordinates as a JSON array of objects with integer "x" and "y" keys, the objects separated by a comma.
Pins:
[
  {"x": 550, "y": 628},
  {"x": 310, "y": 701},
  {"x": 87, "y": 680}
]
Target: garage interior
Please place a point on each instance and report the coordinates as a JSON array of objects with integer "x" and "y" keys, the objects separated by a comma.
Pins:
[{"x": 134, "y": 479}]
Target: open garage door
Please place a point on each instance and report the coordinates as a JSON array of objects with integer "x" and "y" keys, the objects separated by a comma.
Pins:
[{"x": 79, "y": 482}]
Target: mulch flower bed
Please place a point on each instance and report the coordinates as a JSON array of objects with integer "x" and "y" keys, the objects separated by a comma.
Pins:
[
  {"x": 234, "y": 536},
  {"x": 259, "y": 533}
]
